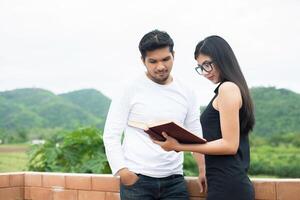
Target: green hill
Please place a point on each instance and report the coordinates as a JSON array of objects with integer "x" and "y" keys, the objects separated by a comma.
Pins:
[
  {"x": 276, "y": 110},
  {"x": 91, "y": 100},
  {"x": 15, "y": 116},
  {"x": 29, "y": 97},
  {"x": 24, "y": 109}
]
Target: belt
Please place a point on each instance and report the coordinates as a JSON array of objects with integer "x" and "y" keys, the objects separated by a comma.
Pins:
[{"x": 173, "y": 176}]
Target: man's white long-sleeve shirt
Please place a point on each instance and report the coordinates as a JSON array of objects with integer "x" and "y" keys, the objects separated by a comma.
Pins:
[{"x": 148, "y": 102}]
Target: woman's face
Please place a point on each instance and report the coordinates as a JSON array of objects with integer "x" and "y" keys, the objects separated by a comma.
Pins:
[{"x": 213, "y": 73}]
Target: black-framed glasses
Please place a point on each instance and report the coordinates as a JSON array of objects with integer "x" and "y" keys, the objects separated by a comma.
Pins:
[{"x": 205, "y": 67}]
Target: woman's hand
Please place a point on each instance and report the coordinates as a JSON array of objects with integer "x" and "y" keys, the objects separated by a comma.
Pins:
[{"x": 170, "y": 144}]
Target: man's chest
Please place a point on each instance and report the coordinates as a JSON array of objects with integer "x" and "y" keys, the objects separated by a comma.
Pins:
[{"x": 151, "y": 108}]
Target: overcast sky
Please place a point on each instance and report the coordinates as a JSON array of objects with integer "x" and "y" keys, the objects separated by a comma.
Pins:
[{"x": 66, "y": 45}]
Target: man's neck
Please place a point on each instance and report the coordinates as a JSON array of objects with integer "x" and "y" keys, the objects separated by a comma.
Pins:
[{"x": 166, "y": 82}]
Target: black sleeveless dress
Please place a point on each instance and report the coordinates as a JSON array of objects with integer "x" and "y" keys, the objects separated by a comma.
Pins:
[{"x": 226, "y": 174}]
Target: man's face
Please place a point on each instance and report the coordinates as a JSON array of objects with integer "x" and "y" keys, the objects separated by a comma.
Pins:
[{"x": 159, "y": 64}]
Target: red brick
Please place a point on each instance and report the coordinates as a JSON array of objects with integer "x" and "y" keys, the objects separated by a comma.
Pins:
[
  {"x": 65, "y": 195},
  {"x": 112, "y": 196},
  {"x": 91, "y": 195},
  {"x": 27, "y": 193},
  {"x": 38, "y": 193},
  {"x": 4, "y": 180},
  {"x": 83, "y": 182},
  {"x": 264, "y": 188},
  {"x": 33, "y": 179},
  {"x": 106, "y": 183},
  {"x": 27, "y": 186},
  {"x": 50, "y": 180},
  {"x": 288, "y": 189},
  {"x": 16, "y": 180},
  {"x": 15, "y": 193}
]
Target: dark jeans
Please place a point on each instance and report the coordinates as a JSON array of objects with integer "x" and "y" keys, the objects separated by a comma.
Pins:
[{"x": 148, "y": 188}]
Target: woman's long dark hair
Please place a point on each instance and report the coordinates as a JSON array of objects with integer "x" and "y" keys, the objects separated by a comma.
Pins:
[{"x": 222, "y": 55}]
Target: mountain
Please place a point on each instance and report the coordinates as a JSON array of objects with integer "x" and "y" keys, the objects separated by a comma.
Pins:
[
  {"x": 15, "y": 116},
  {"x": 91, "y": 100},
  {"x": 37, "y": 108},
  {"x": 277, "y": 111},
  {"x": 29, "y": 97}
]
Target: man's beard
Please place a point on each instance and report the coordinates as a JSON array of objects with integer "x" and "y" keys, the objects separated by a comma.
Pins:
[{"x": 160, "y": 80}]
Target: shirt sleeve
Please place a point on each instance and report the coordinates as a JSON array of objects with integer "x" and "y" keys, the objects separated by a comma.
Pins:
[
  {"x": 192, "y": 120},
  {"x": 115, "y": 125}
]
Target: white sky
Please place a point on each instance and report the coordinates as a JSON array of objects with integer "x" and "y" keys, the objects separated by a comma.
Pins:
[{"x": 66, "y": 45}]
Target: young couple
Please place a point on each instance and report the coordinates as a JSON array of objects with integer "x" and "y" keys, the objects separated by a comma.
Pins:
[{"x": 151, "y": 170}]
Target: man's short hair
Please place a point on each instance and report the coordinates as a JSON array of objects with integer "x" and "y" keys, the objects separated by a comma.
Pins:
[{"x": 153, "y": 40}]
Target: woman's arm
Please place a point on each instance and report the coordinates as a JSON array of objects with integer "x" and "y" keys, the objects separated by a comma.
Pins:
[{"x": 229, "y": 102}]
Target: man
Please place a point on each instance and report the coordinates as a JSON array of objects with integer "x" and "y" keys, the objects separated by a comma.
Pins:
[{"x": 146, "y": 171}]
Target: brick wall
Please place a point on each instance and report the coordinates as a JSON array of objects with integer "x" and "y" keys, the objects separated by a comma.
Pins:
[{"x": 67, "y": 186}]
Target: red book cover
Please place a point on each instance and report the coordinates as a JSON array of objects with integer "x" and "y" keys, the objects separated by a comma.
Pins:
[{"x": 174, "y": 130}]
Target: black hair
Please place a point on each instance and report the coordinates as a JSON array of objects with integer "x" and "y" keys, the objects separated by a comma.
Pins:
[
  {"x": 153, "y": 40},
  {"x": 223, "y": 56}
]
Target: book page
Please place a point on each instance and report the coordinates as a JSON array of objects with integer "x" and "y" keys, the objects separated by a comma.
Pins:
[
  {"x": 158, "y": 123},
  {"x": 140, "y": 125}
]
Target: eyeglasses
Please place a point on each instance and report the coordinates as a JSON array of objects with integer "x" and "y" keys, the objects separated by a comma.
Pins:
[{"x": 205, "y": 67}]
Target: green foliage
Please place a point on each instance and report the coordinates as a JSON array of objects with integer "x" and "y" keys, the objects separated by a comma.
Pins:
[
  {"x": 29, "y": 97},
  {"x": 278, "y": 155},
  {"x": 190, "y": 167},
  {"x": 80, "y": 151},
  {"x": 34, "y": 109},
  {"x": 39, "y": 114},
  {"x": 90, "y": 100},
  {"x": 277, "y": 111},
  {"x": 287, "y": 139},
  {"x": 256, "y": 140},
  {"x": 281, "y": 161},
  {"x": 66, "y": 115},
  {"x": 16, "y": 116}
]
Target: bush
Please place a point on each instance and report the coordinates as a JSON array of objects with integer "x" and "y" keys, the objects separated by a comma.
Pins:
[
  {"x": 80, "y": 151},
  {"x": 281, "y": 161},
  {"x": 190, "y": 167}
]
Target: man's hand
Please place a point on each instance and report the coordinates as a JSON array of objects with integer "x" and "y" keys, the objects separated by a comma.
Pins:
[
  {"x": 202, "y": 183},
  {"x": 127, "y": 177},
  {"x": 199, "y": 158}
]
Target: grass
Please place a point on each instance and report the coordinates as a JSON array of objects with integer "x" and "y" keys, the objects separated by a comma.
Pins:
[
  {"x": 13, "y": 157},
  {"x": 13, "y": 162},
  {"x": 13, "y": 146}
]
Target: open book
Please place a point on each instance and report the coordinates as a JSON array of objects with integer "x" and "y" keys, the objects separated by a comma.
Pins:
[{"x": 174, "y": 130}]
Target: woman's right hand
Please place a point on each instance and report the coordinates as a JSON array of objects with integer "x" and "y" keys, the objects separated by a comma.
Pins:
[
  {"x": 128, "y": 177},
  {"x": 170, "y": 144}
]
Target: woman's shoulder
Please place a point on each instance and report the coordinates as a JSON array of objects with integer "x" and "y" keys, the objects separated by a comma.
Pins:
[
  {"x": 229, "y": 91},
  {"x": 229, "y": 86}
]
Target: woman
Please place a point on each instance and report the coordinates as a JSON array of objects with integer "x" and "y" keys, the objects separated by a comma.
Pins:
[{"x": 226, "y": 122}]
